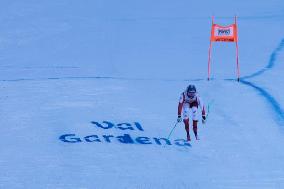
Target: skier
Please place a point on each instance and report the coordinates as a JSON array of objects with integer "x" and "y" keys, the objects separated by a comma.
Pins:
[{"x": 189, "y": 103}]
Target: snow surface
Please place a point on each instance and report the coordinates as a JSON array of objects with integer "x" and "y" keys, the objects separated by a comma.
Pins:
[{"x": 97, "y": 70}]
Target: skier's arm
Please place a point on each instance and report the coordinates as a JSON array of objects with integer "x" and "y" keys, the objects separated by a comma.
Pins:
[
  {"x": 202, "y": 108},
  {"x": 179, "y": 108},
  {"x": 180, "y": 104}
]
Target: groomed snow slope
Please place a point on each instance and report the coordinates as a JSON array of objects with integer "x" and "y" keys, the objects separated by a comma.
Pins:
[{"x": 89, "y": 88}]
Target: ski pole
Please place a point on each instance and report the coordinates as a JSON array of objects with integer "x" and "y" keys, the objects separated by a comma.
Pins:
[
  {"x": 208, "y": 111},
  {"x": 208, "y": 108},
  {"x": 172, "y": 131}
]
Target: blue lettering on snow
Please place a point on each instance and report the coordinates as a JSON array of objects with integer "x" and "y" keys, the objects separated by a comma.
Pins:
[
  {"x": 92, "y": 138},
  {"x": 182, "y": 142},
  {"x": 121, "y": 126},
  {"x": 138, "y": 126},
  {"x": 109, "y": 125},
  {"x": 143, "y": 140},
  {"x": 158, "y": 141},
  {"x": 107, "y": 137},
  {"x": 124, "y": 126},
  {"x": 124, "y": 139},
  {"x": 65, "y": 138}
]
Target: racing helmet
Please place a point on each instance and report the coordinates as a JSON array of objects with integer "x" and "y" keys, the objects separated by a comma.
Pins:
[{"x": 191, "y": 90}]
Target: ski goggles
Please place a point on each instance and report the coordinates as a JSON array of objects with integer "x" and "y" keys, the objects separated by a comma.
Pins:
[{"x": 191, "y": 94}]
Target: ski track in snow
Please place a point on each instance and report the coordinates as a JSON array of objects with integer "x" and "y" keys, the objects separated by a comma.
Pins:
[{"x": 279, "y": 112}]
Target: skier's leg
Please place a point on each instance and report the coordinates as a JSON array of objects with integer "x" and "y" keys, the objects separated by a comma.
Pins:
[
  {"x": 186, "y": 126},
  {"x": 195, "y": 120},
  {"x": 195, "y": 129},
  {"x": 186, "y": 120}
]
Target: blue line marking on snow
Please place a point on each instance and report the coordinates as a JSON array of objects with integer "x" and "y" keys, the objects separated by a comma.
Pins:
[
  {"x": 57, "y": 78},
  {"x": 275, "y": 105},
  {"x": 272, "y": 101},
  {"x": 271, "y": 62},
  {"x": 96, "y": 77}
]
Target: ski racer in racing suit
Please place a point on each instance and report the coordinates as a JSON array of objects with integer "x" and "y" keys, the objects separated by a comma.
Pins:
[{"x": 189, "y": 103}]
